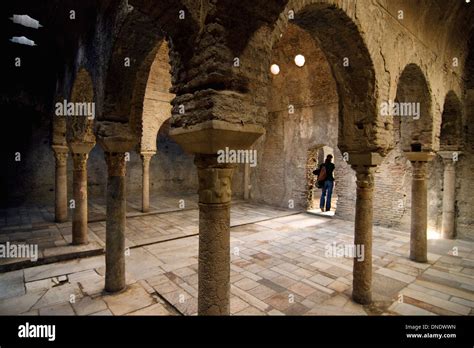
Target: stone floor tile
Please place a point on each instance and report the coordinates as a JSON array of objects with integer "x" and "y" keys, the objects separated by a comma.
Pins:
[
  {"x": 237, "y": 305},
  {"x": 12, "y": 284},
  {"x": 408, "y": 309},
  {"x": 59, "y": 309},
  {"x": 88, "y": 305},
  {"x": 246, "y": 284},
  {"x": 132, "y": 299},
  {"x": 321, "y": 280},
  {"x": 432, "y": 300},
  {"x": 154, "y": 309}
]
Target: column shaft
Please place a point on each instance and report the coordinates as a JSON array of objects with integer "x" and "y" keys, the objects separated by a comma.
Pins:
[
  {"x": 419, "y": 213},
  {"x": 215, "y": 183},
  {"x": 362, "y": 275},
  {"x": 247, "y": 181},
  {"x": 146, "y": 182},
  {"x": 79, "y": 222},
  {"x": 449, "y": 192},
  {"x": 116, "y": 223},
  {"x": 60, "y": 186}
]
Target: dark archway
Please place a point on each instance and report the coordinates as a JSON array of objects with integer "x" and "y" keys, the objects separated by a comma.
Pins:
[
  {"x": 451, "y": 125},
  {"x": 412, "y": 110}
]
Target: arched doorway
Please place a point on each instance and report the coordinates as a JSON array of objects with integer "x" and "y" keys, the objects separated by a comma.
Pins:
[{"x": 316, "y": 157}]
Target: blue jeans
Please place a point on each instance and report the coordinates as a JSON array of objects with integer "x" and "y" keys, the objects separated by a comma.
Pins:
[{"x": 326, "y": 195}]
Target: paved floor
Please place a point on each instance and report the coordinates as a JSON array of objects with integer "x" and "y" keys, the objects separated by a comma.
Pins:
[
  {"x": 280, "y": 265},
  {"x": 35, "y": 226}
]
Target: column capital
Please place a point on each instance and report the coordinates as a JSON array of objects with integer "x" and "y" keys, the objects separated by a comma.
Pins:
[
  {"x": 365, "y": 176},
  {"x": 215, "y": 179},
  {"x": 211, "y": 136},
  {"x": 449, "y": 157},
  {"x": 115, "y": 163},
  {"x": 369, "y": 159},
  {"x": 80, "y": 160},
  {"x": 60, "y": 154},
  {"x": 420, "y": 156},
  {"x": 365, "y": 164},
  {"x": 115, "y": 137},
  {"x": 419, "y": 170},
  {"x": 147, "y": 155},
  {"x": 81, "y": 147},
  {"x": 60, "y": 148}
]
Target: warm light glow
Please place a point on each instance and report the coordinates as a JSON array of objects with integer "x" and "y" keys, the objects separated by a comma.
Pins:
[
  {"x": 275, "y": 69},
  {"x": 432, "y": 234},
  {"x": 300, "y": 60}
]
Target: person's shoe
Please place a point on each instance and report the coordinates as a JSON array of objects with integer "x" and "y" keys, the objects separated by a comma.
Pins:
[{"x": 322, "y": 210}]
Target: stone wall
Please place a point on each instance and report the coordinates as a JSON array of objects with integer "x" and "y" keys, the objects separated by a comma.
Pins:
[
  {"x": 465, "y": 196},
  {"x": 281, "y": 174},
  {"x": 171, "y": 171}
]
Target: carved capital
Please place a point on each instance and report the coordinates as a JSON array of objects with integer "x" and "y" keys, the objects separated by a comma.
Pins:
[
  {"x": 449, "y": 158},
  {"x": 215, "y": 180},
  {"x": 80, "y": 129},
  {"x": 146, "y": 158},
  {"x": 80, "y": 160},
  {"x": 61, "y": 158},
  {"x": 365, "y": 177},
  {"x": 115, "y": 163},
  {"x": 419, "y": 170},
  {"x": 60, "y": 154},
  {"x": 115, "y": 137},
  {"x": 449, "y": 164}
]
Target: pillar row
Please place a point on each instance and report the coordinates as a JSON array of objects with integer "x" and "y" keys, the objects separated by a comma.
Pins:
[
  {"x": 60, "y": 191},
  {"x": 215, "y": 183}
]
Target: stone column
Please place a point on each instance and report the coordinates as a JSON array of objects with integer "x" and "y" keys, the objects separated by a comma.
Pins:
[
  {"x": 116, "y": 139},
  {"x": 419, "y": 206},
  {"x": 449, "y": 194},
  {"x": 364, "y": 166},
  {"x": 247, "y": 181},
  {"x": 79, "y": 187},
  {"x": 60, "y": 191},
  {"x": 116, "y": 222},
  {"x": 215, "y": 184},
  {"x": 146, "y": 157}
]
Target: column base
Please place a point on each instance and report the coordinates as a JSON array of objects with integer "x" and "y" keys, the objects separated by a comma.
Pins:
[{"x": 363, "y": 298}]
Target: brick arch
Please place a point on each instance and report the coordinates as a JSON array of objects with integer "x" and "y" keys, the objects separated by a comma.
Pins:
[
  {"x": 331, "y": 26},
  {"x": 469, "y": 96},
  {"x": 140, "y": 37},
  {"x": 416, "y": 135},
  {"x": 180, "y": 34},
  {"x": 79, "y": 128},
  {"x": 151, "y": 103},
  {"x": 451, "y": 125},
  {"x": 135, "y": 44}
]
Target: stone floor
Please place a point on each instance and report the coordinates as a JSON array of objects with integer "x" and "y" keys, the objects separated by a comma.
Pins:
[
  {"x": 279, "y": 266},
  {"x": 165, "y": 221}
]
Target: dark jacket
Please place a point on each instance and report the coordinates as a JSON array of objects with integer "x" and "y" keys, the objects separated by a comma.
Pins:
[{"x": 329, "y": 170}]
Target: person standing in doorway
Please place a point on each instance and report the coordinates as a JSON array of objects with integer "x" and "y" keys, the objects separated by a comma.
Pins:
[{"x": 326, "y": 182}]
